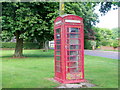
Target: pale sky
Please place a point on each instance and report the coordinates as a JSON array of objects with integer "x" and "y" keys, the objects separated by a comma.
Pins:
[{"x": 110, "y": 20}]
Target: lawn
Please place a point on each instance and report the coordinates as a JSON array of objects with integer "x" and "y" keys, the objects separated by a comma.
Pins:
[
  {"x": 34, "y": 71},
  {"x": 112, "y": 50}
]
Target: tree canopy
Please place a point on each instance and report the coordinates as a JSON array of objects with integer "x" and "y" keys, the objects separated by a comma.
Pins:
[{"x": 29, "y": 21}]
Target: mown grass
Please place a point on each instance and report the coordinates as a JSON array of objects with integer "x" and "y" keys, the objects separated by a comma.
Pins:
[
  {"x": 34, "y": 70},
  {"x": 112, "y": 50}
]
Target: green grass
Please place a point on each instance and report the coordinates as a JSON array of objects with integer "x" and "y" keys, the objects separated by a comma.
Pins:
[
  {"x": 112, "y": 50},
  {"x": 34, "y": 71}
]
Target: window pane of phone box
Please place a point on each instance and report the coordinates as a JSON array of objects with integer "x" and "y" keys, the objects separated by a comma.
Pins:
[
  {"x": 73, "y": 30},
  {"x": 58, "y": 30},
  {"x": 72, "y": 35},
  {"x": 57, "y": 52},
  {"x": 73, "y": 70},
  {"x": 73, "y": 58},
  {"x": 73, "y": 53},
  {"x": 57, "y": 41},
  {"x": 58, "y": 58},
  {"x": 72, "y": 41},
  {"x": 72, "y": 47}
]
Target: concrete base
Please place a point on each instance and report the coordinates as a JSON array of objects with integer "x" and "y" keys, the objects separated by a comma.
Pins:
[
  {"x": 80, "y": 85},
  {"x": 86, "y": 84}
]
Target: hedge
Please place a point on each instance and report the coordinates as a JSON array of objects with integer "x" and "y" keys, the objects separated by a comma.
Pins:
[{"x": 26, "y": 45}]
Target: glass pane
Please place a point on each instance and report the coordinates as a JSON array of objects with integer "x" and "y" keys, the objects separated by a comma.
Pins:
[
  {"x": 73, "y": 30},
  {"x": 74, "y": 47},
  {"x": 58, "y": 30},
  {"x": 57, "y": 69},
  {"x": 73, "y": 70},
  {"x": 57, "y": 52},
  {"x": 57, "y": 41},
  {"x": 72, "y": 35},
  {"x": 58, "y": 58},
  {"x": 57, "y": 46},
  {"x": 73, "y": 58},
  {"x": 58, "y": 64},
  {"x": 71, "y": 41},
  {"x": 73, "y": 52},
  {"x": 73, "y": 64},
  {"x": 58, "y": 36}
]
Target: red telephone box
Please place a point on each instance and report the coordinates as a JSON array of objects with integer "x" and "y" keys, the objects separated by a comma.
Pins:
[{"x": 69, "y": 49}]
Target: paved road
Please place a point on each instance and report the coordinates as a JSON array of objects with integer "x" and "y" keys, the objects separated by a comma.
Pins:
[{"x": 107, "y": 54}]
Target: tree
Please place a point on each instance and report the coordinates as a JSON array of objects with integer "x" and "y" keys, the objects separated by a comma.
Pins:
[
  {"x": 6, "y": 37},
  {"x": 86, "y": 11},
  {"x": 106, "y": 6},
  {"x": 103, "y": 36},
  {"x": 24, "y": 20},
  {"x": 116, "y": 33}
]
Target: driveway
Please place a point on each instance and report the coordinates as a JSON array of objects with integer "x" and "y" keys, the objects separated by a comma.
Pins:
[{"x": 107, "y": 54}]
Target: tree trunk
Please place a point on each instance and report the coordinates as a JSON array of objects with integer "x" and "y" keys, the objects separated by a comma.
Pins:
[
  {"x": 45, "y": 45},
  {"x": 19, "y": 47},
  {"x": 93, "y": 47}
]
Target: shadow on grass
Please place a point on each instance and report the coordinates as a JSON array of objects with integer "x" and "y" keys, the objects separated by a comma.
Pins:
[
  {"x": 30, "y": 56},
  {"x": 35, "y": 55}
]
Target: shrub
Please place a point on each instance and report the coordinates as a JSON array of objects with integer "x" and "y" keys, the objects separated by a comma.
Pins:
[
  {"x": 29, "y": 45},
  {"x": 26, "y": 45},
  {"x": 93, "y": 43},
  {"x": 115, "y": 43},
  {"x": 87, "y": 44},
  {"x": 8, "y": 45},
  {"x": 106, "y": 43},
  {"x": 98, "y": 44}
]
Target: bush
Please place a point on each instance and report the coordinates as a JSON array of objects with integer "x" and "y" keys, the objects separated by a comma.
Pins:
[
  {"x": 87, "y": 44},
  {"x": 106, "y": 43},
  {"x": 8, "y": 45},
  {"x": 26, "y": 45},
  {"x": 93, "y": 43},
  {"x": 98, "y": 44},
  {"x": 29, "y": 45},
  {"x": 115, "y": 44}
]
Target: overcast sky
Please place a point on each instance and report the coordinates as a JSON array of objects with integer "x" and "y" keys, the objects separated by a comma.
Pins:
[{"x": 110, "y": 20}]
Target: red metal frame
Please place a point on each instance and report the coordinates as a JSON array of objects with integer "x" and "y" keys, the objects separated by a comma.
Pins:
[{"x": 69, "y": 49}]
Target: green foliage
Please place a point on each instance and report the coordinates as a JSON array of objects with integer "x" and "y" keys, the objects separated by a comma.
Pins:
[
  {"x": 34, "y": 20},
  {"x": 5, "y": 36},
  {"x": 112, "y": 43},
  {"x": 103, "y": 36},
  {"x": 103, "y": 33},
  {"x": 84, "y": 10},
  {"x": 30, "y": 21},
  {"x": 8, "y": 45},
  {"x": 116, "y": 33},
  {"x": 29, "y": 45},
  {"x": 107, "y": 37},
  {"x": 115, "y": 44},
  {"x": 98, "y": 44},
  {"x": 87, "y": 44},
  {"x": 26, "y": 45},
  {"x": 93, "y": 43},
  {"x": 106, "y": 43},
  {"x": 106, "y": 6},
  {"x": 35, "y": 23}
]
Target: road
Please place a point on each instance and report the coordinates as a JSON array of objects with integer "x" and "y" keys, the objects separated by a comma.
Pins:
[{"x": 107, "y": 54}]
